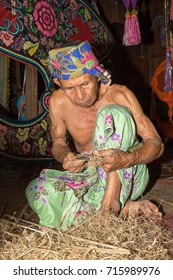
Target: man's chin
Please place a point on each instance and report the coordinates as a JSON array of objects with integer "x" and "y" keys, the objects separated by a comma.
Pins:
[{"x": 86, "y": 105}]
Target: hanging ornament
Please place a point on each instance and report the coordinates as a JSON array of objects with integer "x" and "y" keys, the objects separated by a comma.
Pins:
[
  {"x": 136, "y": 35},
  {"x": 132, "y": 35},
  {"x": 127, "y": 28}
]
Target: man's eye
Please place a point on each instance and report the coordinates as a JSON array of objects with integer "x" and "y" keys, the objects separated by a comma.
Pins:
[
  {"x": 68, "y": 89},
  {"x": 84, "y": 84}
]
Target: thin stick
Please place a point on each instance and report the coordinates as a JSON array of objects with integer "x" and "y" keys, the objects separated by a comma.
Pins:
[
  {"x": 24, "y": 254},
  {"x": 119, "y": 250}
]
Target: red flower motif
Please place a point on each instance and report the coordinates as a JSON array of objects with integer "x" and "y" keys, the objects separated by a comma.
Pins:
[
  {"x": 45, "y": 18},
  {"x": 108, "y": 119},
  {"x": 6, "y": 38},
  {"x": 89, "y": 57},
  {"x": 57, "y": 64},
  {"x": 41, "y": 188}
]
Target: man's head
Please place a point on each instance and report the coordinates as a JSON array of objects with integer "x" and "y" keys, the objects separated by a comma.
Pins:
[
  {"x": 77, "y": 71},
  {"x": 71, "y": 62}
]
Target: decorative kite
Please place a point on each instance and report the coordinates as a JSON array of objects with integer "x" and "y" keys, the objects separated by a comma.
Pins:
[{"x": 28, "y": 30}]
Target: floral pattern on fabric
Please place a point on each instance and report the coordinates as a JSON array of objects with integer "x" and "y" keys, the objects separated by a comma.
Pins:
[{"x": 26, "y": 141}]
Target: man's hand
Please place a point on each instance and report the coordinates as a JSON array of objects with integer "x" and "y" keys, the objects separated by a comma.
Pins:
[
  {"x": 114, "y": 159},
  {"x": 72, "y": 164}
]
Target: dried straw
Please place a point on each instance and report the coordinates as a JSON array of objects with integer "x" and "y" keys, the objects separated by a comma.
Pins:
[{"x": 101, "y": 237}]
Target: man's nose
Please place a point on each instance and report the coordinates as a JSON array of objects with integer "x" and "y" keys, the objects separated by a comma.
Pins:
[{"x": 80, "y": 93}]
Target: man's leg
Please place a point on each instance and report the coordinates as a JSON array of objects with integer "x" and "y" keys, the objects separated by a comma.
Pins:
[
  {"x": 115, "y": 128},
  {"x": 111, "y": 196}
]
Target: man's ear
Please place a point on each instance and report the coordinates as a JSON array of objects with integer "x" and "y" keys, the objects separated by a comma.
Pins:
[{"x": 56, "y": 81}]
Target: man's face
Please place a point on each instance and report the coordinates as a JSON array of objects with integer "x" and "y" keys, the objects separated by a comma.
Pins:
[{"x": 82, "y": 91}]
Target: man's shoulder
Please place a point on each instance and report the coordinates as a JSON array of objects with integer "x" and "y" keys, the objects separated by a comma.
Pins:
[
  {"x": 58, "y": 94},
  {"x": 117, "y": 90},
  {"x": 58, "y": 97}
]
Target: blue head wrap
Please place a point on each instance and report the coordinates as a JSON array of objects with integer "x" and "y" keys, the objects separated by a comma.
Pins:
[{"x": 71, "y": 62}]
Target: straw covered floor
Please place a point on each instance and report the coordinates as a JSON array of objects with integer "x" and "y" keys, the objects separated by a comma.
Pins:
[{"x": 101, "y": 237}]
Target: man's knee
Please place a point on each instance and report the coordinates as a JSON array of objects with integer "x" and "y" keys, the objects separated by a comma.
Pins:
[{"x": 118, "y": 111}]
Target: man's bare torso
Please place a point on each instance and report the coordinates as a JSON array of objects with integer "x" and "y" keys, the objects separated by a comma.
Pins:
[{"x": 80, "y": 122}]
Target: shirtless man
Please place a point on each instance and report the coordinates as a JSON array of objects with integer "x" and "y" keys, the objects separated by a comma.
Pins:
[
  {"x": 83, "y": 90},
  {"x": 74, "y": 108}
]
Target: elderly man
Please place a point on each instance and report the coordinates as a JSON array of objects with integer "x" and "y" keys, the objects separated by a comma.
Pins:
[{"x": 104, "y": 121}]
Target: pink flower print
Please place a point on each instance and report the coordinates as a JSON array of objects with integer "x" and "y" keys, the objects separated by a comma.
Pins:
[
  {"x": 41, "y": 179},
  {"x": 26, "y": 148},
  {"x": 57, "y": 64},
  {"x": 6, "y": 38},
  {"x": 75, "y": 185},
  {"x": 45, "y": 18},
  {"x": 108, "y": 119},
  {"x": 44, "y": 201},
  {"x": 115, "y": 137},
  {"x": 89, "y": 57},
  {"x": 80, "y": 213},
  {"x": 126, "y": 174},
  {"x": 41, "y": 188},
  {"x": 101, "y": 173}
]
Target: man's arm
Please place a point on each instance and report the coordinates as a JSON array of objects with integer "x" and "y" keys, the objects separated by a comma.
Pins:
[
  {"x": 60, "y": 149},
  {"x": 152, "y": 146}
]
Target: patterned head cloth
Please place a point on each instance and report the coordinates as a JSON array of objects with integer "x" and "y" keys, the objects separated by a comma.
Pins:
[{"x": 71, "y": 62}]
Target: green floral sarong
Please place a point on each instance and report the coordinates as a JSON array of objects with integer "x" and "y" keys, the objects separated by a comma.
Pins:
[{"x": 62, "y": 199}]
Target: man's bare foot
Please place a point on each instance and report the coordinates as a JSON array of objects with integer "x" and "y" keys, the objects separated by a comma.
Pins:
[
  {"x": 113, "y": 206},
  {"x": 141, "y": 207}
]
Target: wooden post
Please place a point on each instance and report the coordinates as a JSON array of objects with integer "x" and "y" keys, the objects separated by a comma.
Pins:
[{"x": 31, "y": 91}]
